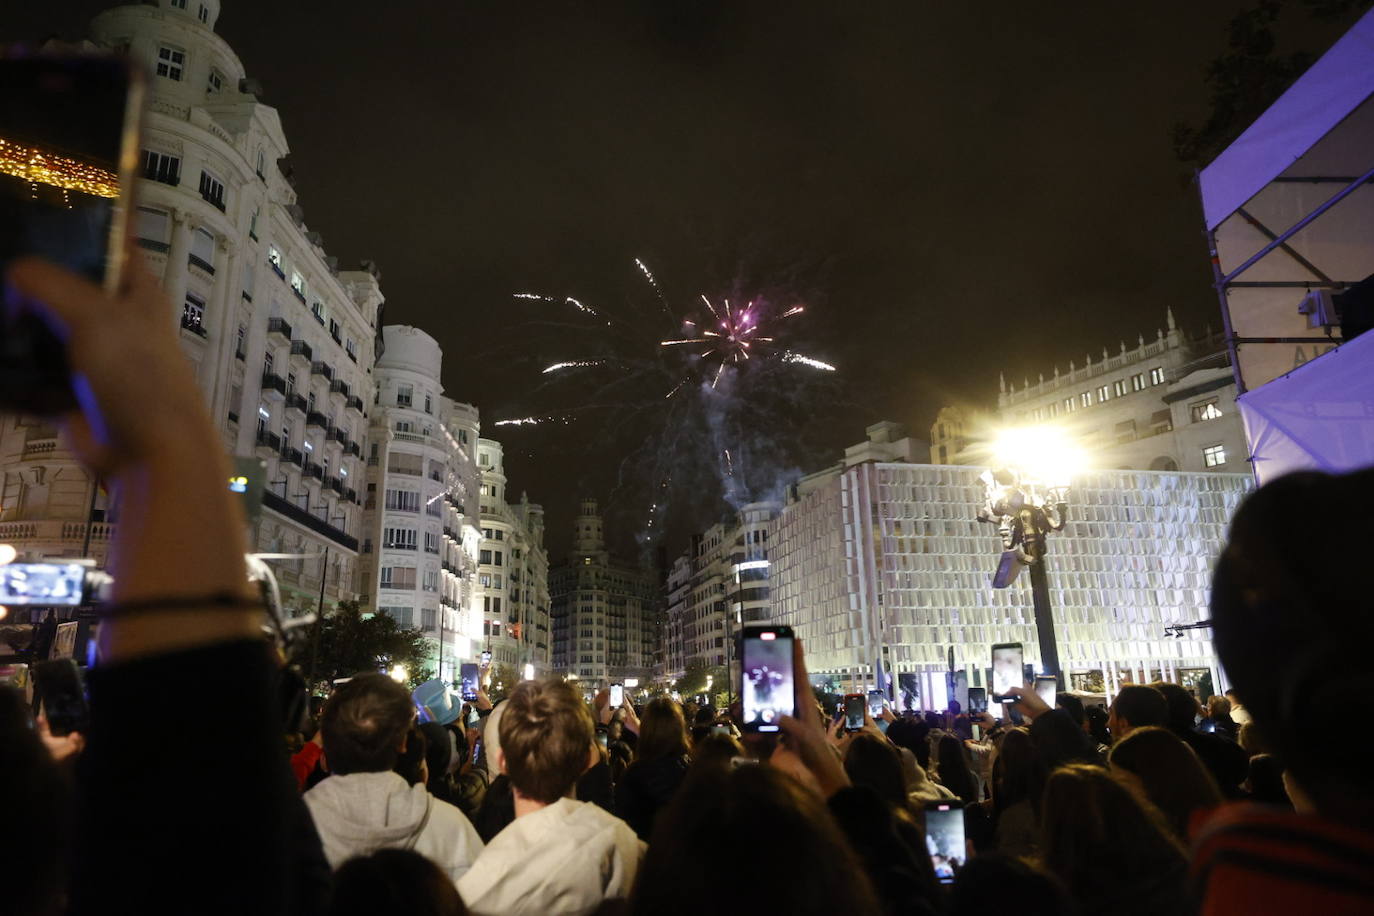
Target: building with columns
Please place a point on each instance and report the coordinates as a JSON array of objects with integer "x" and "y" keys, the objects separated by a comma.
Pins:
[
  {"x": 1166, "y": 404},
  {"x": 604, "y": 610}
]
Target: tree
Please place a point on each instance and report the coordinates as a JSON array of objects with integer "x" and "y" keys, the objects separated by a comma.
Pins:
[
  {"x": 693, "y": 680},
  {"x": 350, "y": 643},
  {"x": 503, "y": 681}
]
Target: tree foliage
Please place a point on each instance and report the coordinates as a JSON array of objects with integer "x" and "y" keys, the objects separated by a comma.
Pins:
[{"x": 350, "y": 643}]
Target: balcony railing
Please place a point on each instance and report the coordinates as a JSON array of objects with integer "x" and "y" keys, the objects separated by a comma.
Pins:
[
  {"x": 276, "y": 269},
  {"x": 268, "y": 440},
  {"x": 193, "y": 325},
  {"x": 313, "y": 469},
  {"x": 279, "y": 326},
  {"x": 301, "y": 517},
  {"x": 302, "y": 349},
  {"x": 315, "y": 418},
  {"x": 339, "y": 386},
  {"x": 292, "y": 455},
  {"x": 398, "y": 545},
  {"x": 295, "y": 402},
  {"x": 333, "y": 483},
  {"x": 273, "y": 384},
  {"x": 354, "y": 403},
  {"x": 354, "y": 449},
  {"x": 322, "y": 369},
  {"x": 202, "y": 264}
]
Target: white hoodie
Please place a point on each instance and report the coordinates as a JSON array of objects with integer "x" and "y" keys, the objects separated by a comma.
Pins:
[
  {"x": 360, "y": 813},
  {"x": 564, "y": 859}
]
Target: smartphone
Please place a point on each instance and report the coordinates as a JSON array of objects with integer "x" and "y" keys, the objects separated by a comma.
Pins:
[
  {"x": 1008, "y": 669},
  {"x": 945, "y": 838},
  {"x": 977, "y": 700},
  {"x": 42, "y": 583},
  {"x": 853, "y": 712},
  {"x": 617, "y": 695},
  {"x": 875, "y": 703},
  {"x": 720, "y": 728},
  {"x": 477, "y": 752},
  {"x": 68, "y": 149},
  {"x": 486, "y": 659},
  {"x": 1045, "y": 686},
  {"x": 767, "y": 683},
  {"x": 601, "y": 738},
  {"x": 59, "y": 688},
  {"x": 467, "y": 673}
]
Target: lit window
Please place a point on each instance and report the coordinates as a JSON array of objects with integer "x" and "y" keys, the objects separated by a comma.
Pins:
[
  {"x": 193, "y": 314},
  {"x": 1086, "y": 399},
  {"x": 1068, "y": 405},
  {"x": 1119, "y": 387},
  {"x": 298, "y": 282},
  {"x": 274, "y": 257},
  {"x": 1138, "y": 382},
  {"x": 1103, "y": 393},
  {"x": 1214, "y": 456},
  {"x": 1156, "y": 376},
  {"x": 170, "y": 62},
  {"x": 405, "y": 394},
  {"x": 1206, "y": 411}
]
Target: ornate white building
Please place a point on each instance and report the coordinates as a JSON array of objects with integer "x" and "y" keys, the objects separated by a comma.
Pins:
[{"x": 881, "y": 561}]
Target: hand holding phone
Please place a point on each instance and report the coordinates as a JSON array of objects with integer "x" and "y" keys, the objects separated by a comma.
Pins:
[
  {"x": 617, "y": 696},
  {"x": 945, "y": 838},
  {"x": 1008, "y": 669},
  {"x": 768, "y": 685}
]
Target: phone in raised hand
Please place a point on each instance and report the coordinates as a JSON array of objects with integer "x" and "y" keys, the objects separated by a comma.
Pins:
[
  {"x": 617, "y": 695},
  {"x": 767, "y": 679},
  {"x": 945, "y": 838}
]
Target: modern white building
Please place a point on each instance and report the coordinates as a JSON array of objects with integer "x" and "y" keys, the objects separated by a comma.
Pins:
[
  {"x": 606, "y": 625},
  {"x": 881, "y": 562},
  {"x": 1166, "y": 404},
  {"x": 282, "y": 340}
]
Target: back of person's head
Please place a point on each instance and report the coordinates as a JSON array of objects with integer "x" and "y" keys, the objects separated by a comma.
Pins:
[
  {"x": 662, "y": 731},
  {"x": 37, "y": 803},
  {"x": 912, "y": 733},
  {"x": 364, "y": 723},
  {"x": 1096, "y": 718},
  {"x": 1169, "y": 773},
  {"x": 1013, "y": 769},
  {"x": 393, "y": 881},
  {"x": 1251, "y": 740},
  {"x": 989, "y": 883},
  {"x": 1071, "y": 705},
  {"x": 411, "y": 762},
  {"x": 716, "y": 749},
  {"x": 873, "y": 762},
  {"x": 1265, "y": 781},
  {"x": 1218, "y": 707},
  {"x": 1138, "y": 706},
  {"x": 1100, "y": 839},
  {"x": 439, "y": 747},
  {"x": 1183, "y": 706},
  {"x": 789, "y": 856},
  {"x": 705, "y": 715},
  {"x": 546, "y": 735},
  {"x": 1289, "y": 601},
  {"x": 954, "y": 771}
]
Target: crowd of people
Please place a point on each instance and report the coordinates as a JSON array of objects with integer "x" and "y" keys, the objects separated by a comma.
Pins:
[{"x": 181, "y": 796}]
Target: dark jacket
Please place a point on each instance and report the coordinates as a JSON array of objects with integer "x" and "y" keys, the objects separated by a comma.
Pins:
[
  {"x": 647, "y": 787},
  {"x": 1224, "y": 759}
]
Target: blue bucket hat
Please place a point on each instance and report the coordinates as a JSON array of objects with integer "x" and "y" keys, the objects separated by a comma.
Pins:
[{"x": 435, "y": 699}]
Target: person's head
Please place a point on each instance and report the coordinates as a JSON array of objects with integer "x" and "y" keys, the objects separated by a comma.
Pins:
[
  {"x": 662, "y": 732},
  {"x": 1218, "y": 708},
  {"x": 1136, "y": 706},
  {"x": 1285, "y": 617},
  {"x": 615, "y": 729},
  {"x": 1100, "y": 839},
  {"x": 873, "y": 762},
  {"x": 1230, "y": 694},
  {"x": 365, "y": 724},
  {"x": 1071, "y": 705},
  {"x": 546, "y": 734},
  {"x": 1013, "y": 769},
  {"x": 715, "y": 749},
  {"x": 759, "y": 816},
  {"x": 1183, "y": 706},
  {"x": 987, "y": 882},
  {"x": 1251, "y": 740},
  {"x": 439, "y": 748},
  {"x": 912, "y": 733},
  {"x": 1095, "y": 724},
  {"x": 954, "y": 771},
  {"x": 1167, "y": 772},
  {"x": 1265, "y": 781},
  {"x": 393, "y": 881},
  {"x": 411, "y": 763}
]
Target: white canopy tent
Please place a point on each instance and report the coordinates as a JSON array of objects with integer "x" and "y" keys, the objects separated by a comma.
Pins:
[{"x": 1290, "y": 210}]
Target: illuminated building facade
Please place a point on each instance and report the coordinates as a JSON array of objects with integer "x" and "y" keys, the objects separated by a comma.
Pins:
[{"x": 882, "y": 562}]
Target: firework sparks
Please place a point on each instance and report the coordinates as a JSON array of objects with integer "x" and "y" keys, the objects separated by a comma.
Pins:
[
  {"x": 520, "y": 421},
  {"x": 566, "y": 300},
  {"x": 790, "y": 357},
  {"x": 575, "y": 364}
]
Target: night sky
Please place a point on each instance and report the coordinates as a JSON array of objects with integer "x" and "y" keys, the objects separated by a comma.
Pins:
[{"x": 951, "y": 188}]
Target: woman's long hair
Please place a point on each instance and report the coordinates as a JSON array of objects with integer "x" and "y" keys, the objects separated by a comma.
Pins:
[{"x": 662, "y": 732}]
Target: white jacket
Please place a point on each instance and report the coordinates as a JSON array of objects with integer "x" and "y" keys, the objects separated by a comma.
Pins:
[
  {"x": 360, "y": 813},
  {"x": 562, "y": 860}
]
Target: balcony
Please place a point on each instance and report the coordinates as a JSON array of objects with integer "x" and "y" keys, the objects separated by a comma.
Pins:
[
  {"x": 292, "y": 455},
  {"x": 202, "y": 264},
  {"x": 269, "y": 441},
  {"x": 193, "y": 324},
  {"x": 398, "y": 545},
  {"x": 339, "y": 386},
  {"x": 354, "y": 449},
  {"x": 337, "y": 435},
  {"x": 276, "y": 269},
  {"x": 335, "y": 484},
  {"x": 300, "y": 348},
  {"x": 449, "y": 533},
  {"x": 313, "y": 469},
  {"x": 280, "y": 327},
  {"x": 273, "y": 386},
  {"x": 303, "y": 518},
  {"x": 350, "y": 494},
  {"x": 154, "y": 245},
  {"x": 322, "y": 369},
  {"x": 298, "y": 294},
  {"x": 315, "y": 418},
  {"x": 354, "y": 403},
  {"x": 295, "y": 402},
  {"x": 40, "y": 448}
]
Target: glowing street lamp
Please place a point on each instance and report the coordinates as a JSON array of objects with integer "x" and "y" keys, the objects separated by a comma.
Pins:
[
  {"x": 1027, "y": 497},
  {"x": 399, "y": 674}
]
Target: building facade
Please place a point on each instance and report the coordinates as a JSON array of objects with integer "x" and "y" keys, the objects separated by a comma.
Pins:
[
  {"x": 605, "y": 610},
  {"x": 882, "y": 565},
  {"x": 1165, "y": 405}
]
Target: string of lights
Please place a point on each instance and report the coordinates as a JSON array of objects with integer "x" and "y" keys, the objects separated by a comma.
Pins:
[{"x": 37, "y": 167}]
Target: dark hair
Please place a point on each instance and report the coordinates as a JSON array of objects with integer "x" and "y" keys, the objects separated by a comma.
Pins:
[
  {"x": 546, "y": 736},
  {"x": 1171, "y": 774},
  {"x": 873, "y": 762},
  {"x": 363, "y": 724},
  {"x": 954, "y": 771},
  {"x": 662, "y": 732},
  {"x": 393, "y": 881},
  {"x": 1097, "y": 724},
  {"x": 1266, "y": 781},
  {"x": 409, "y": 760},
  {"x": 1107, "y": 845},
  {"x": 38, "y": 798},
  {"x": 716, "y": 750},
  {"x": 1139, "y": 706},
  {"x": 725, "y": 810},
  {"x": 1071, "y": 705},
  {"x": 1285, "y": 612},
  {"x": 1014, "y": 770},
  {"x": 912, "y": 734},
  {"x": 1183, "y": 706},
  {"x": 438, "y": 756},
  {"x": 987, "y": 882}
]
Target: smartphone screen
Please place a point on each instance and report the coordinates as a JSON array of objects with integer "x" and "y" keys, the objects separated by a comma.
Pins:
[
  {"x": 720, "y": 728},
  {"x": 909, "y": 690},
  {"x": 1045, "y": 687},
  {"x": 1008, "y": 669},
  {"x": 601, "y": 738},
  {"x": 486, "y": 659},
  {"x": 977, "y": 700},
  {"x": 468, "y": 675},
  {"x": 59, "y": 687},
  {"x": 945, "y": 838},
  {"x": 853, "y": 711},
  {"x": 42, "y": 583},
  {"x": 767, "y": 685},
  {"x": 617, "y": 696},
  {"x": 875, "y": 703}
]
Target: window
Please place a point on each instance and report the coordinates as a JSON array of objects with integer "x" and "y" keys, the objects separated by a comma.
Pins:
[
  {"x": 431, "y": 542},
  {"x": 253, "y": 222},
  {"x": 298, "y": 283},
  {"x": 402, "y": 615},
  {"x": 491, "y": 604},
  {"x": 1068, "y": 405},
  {"x": 484, "y": 557},
  {"x": 274, "y": 258},
  {"x": 193, "y": 314},
  {"x": 428, "y": 407},
  {"x": 334, "y": 330},
  {"x": 161, "y": 167},
  {"x": 215, "y": 82},
  {"x": 1207, "y": 410},
  {"x": 1086, "y": 399},
  {"x": 1138, "y": 382},
  {"x": 290, "y": 383},
  {"x": 401, "y": 463},
  {"x": 405, "y": 394},
  {"x": 285, "y": 434},
  {"x": 427, "y": 619},
  {"x": 261, "y": 162},
  {"x": 484, "y": 459},
  {"x": 404, "y": 426},
  {"x": 317, "y": 309},
  {"x": 1214, "y": 456},
  {"x": 431, "y": 580},
  {"x": 212, "y": 189},
  {"x": 351, "y": 349},
  {"x": 153, "y": 226},
  {"x": 310, "y": 402},
  {"x": 179, "y": 4},
  {"x": 1119, "y": 387},
  {"x": 1103, "y": 393},
  {"x": 398, "y": 538},
  {"x": 241, "y": 342},
  {"x": 170, "y": 62},
  {"x": 402, "y": 501},
  {"x": 203, "y": 14},
  {"x": 267, "y": 363},
  {"x": 1156, "y": 376},
  {"x": 203, "y": 249}
]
